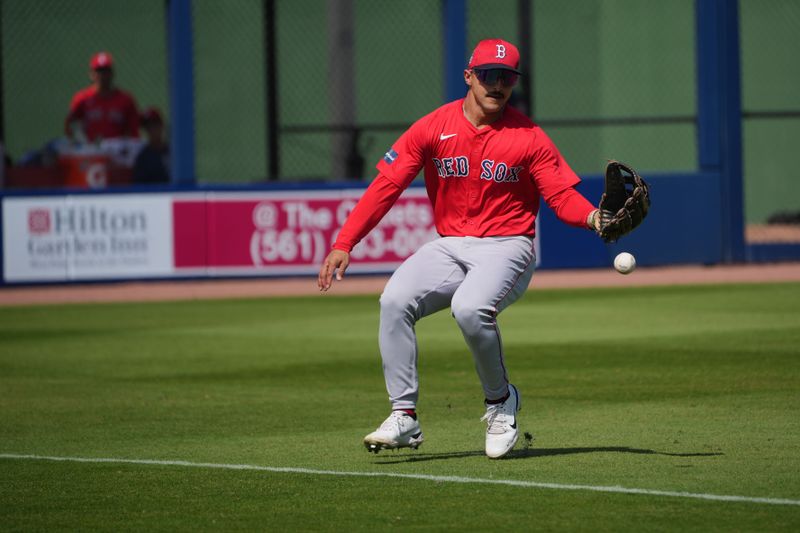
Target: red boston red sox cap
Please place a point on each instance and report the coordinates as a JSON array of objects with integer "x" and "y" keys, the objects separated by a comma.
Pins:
[
  {"x": 495, "y": 53},
  {"x": 101, "y": 60}
]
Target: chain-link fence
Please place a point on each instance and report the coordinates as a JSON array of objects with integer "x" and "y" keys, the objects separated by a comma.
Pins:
[
  {"x": 229, "y": 91},
  {"x": 771, "y": 127},
  {"x": 345, "y": 79},
  {"x": 353, "y": 75},
  {"x": 317, "y": 90},
  {"x": 46, "y": 47},
  {"x": 608, "y": 78}
]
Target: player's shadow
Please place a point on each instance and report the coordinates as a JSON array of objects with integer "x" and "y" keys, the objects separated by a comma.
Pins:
[{"x": 528, "y": 453}]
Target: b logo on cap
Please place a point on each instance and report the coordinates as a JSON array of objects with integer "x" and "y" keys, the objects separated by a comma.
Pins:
[{"x": 501, "y": 51}]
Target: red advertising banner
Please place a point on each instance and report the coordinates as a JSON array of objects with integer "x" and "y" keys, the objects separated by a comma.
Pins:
[{"x": 291, "y": 233}]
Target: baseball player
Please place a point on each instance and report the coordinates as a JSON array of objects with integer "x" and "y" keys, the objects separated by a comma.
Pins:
[
  {"x": 103, "y": 110},
  {"x": 486, "y": 166}
]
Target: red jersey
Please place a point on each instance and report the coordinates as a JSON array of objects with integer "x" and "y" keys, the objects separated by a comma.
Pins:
[
  {"x": 481, "y": 182},
  {"x": 104, "y": 117}
]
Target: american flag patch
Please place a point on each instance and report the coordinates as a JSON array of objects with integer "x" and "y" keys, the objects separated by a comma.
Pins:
[{"x": 390, "y": 156}]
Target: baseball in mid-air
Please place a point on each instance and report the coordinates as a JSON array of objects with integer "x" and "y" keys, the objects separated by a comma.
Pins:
[{"x": 625, "y": 263}]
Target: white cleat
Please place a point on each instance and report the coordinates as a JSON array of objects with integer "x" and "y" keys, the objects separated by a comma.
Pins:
[
  {"x": 400, "y": 430},
  {"x": 501, "y": 419}
]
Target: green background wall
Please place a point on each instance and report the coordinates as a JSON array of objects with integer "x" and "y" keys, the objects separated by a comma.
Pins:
[
  {"x": 771, "y": 83},
  {"x": 46, "y": 48},
  {"x": 593, "y": 59}
]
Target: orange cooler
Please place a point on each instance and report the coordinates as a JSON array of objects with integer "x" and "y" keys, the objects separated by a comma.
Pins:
[{"x": 86, "y": 170}]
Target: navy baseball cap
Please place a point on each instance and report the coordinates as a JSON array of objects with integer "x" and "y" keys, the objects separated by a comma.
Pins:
[
  {"x": 151, "y": 115},
  {"x": 495, "y": 53}
]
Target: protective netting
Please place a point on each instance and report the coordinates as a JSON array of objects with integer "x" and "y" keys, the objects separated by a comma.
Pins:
[
  {"x": 46, "y": 48},
  {"x": 350, "y": 75},
  {"x": 353, "y": 74},
  {"x": 605, "y": 78},
  {"x": 771, "y": 126},
  {"x": 608, "y": 79}
]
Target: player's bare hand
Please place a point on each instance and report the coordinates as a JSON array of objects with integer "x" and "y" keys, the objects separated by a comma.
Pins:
[{"x": 336, "y": 263}]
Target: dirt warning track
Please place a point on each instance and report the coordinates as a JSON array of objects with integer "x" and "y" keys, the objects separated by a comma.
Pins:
[{"x": 306, "y": 286}]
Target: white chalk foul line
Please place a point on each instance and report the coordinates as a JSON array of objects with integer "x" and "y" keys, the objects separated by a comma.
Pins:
[{"x": 424, "y": 477}]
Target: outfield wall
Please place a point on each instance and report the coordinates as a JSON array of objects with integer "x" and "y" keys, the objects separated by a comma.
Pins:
[
  {"x": 607, "y": 79},
  {"x": 83, "y": 237},
  {"x": 91, "y": 235}
]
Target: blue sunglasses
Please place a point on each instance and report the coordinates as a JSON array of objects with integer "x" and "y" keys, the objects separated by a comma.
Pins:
[{"x": 490, "y": 76}]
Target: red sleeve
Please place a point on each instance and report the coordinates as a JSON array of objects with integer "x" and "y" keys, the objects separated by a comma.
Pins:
[
  {"x": 379, "y": 197},
  {"x": 556, "y": 181},
  {"x": 133, "y": 117},
  {"x": 571, "y": 207},
  {"x": 75, "y": 111},
  {"x": 404, "y": 160}
]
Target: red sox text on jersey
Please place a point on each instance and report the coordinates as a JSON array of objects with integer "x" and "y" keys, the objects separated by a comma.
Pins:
[
  {"x": 458, "y": 167},
  {"x": 483, "y": 182}
]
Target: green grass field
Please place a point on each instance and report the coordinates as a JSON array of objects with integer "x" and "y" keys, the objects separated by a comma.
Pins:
[{"x": 692, "y": 389}]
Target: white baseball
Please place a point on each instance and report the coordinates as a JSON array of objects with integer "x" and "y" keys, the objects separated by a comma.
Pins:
[{"x": 625, "y": 263}]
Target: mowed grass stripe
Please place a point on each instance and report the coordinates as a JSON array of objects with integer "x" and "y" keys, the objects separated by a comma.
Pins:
[
  {"x": 690, "y": 389},
  {"x": 424, "y": 477}
]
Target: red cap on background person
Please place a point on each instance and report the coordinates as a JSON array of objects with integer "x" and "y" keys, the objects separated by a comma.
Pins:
[
  {"x": 151, "y": 115},
  {"x": 101, "y": 60},
  {"x": 495, "y": 53}
]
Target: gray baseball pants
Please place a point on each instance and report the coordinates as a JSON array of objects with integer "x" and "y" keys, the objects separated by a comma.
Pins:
[{"x": 477, "y": 278}]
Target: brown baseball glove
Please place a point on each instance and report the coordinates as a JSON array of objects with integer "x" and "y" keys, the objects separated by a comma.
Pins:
[{"x": 624, "y": 203}]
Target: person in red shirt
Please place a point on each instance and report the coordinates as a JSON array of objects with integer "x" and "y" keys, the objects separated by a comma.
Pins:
[
  {"x": 486, "y": 166},
  {"x": 102, "y": 110}
]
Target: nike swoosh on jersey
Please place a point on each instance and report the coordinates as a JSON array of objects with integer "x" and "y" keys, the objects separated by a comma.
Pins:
[{"x": 442, "y": 136}]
